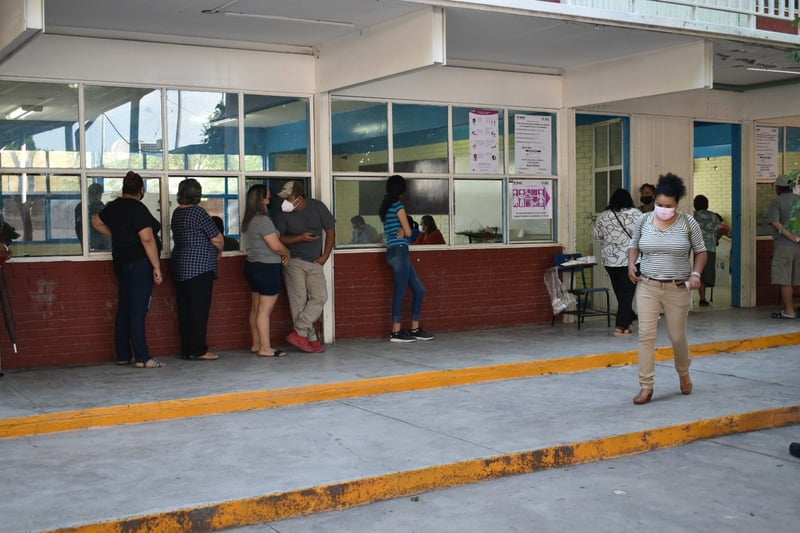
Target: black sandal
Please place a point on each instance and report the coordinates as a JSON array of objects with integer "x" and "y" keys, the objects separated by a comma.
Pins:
[{"x": 276, "y": 353}]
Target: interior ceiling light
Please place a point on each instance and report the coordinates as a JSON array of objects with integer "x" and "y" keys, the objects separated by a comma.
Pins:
[
  {"x": 219, "y": 11},
  {"x": 23, "y": 111},
  {"x": 775, "y": 70}
]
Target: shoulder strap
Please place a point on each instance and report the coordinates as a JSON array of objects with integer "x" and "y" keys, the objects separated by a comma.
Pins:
[{"x": 621, "y": 224}]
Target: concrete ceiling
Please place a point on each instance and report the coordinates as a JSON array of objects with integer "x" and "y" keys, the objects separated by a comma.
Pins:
[{"x": 474, "y": 38}]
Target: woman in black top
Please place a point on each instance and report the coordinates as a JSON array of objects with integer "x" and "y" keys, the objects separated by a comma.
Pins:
[{"x": 135, "y": 249}]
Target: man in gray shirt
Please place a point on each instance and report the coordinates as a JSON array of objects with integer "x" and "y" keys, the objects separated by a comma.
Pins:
[
  {"x": 784, "y": 216},
  {"x": 301, "y": 223}
]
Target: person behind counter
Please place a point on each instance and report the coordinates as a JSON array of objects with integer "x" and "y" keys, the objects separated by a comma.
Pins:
[
  {"x": 198, "y": 243},
  {"x": 135, "y": 251},
  {"x": 229, "y": 244},
  {"x": 614, "y": 227},
  {"x": 430, "y": 234},
  {"x": 363, "y": 233},
  {"x": 664, "y": 240},
  {"x": 265, "y": 255},
  {"x": 396, "y": 229},
  {"x": 646, "y": 192}
]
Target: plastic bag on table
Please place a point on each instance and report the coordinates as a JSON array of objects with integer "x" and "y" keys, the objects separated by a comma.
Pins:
[{"x": 560, "y": 298}]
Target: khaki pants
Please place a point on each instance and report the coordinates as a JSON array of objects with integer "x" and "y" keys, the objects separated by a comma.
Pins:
[
  {"x": 307, "y": 292},
  {"x": 652, "y": 297}
]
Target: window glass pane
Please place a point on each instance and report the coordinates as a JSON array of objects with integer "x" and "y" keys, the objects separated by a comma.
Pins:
[
  {"x": 537, "y": 162},
  {"x": 363, "y": 198},
  {"x": 38, "y": 125},
  {"x": 419, "y": 138},
  {"x": 601, "y": 146},
  {"x": 466, "y": 139},
  {"x": 97, "y": 196},
  {"x": 765, "y": 193},
  {"x": 41, "y": 209},
  {"x": 531, "y": 209},
  {"x": 600, "y": 190},
  {"x": 478, "y": 211},
  {"x": 614, "y": 182},
  {"x": 203, "y": 130},
  {"x": 123, "y": 128},
  {"x": 216, "y": 197},
  {"x": 276, "y": 133},
  {"x": 615, "y": 143},
  {"x": 360, "y": 136},
  {"x": 791, "y": 159}
]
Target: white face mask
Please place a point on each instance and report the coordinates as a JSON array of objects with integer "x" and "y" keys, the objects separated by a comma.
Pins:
[
  {"x": 287, "y": 206},
  {"x": 665, "y": 213}
]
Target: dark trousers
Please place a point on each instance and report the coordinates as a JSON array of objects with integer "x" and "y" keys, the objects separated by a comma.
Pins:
[
  {"x": 193, "y": 299},
  {"x": 135, "y": 289},
  {"x": 623, "y": 290}
]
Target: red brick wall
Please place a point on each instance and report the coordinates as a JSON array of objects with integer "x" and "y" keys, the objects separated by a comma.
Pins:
[
  {"x": 65, "y": 310},
  {"x": 776, "y": 25},
  {"x": 466, "y": 289}
]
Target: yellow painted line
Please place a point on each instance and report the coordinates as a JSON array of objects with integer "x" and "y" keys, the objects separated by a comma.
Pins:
[
  {"x": 138, "y": 413},
  {"x": 310, "y": 500}
]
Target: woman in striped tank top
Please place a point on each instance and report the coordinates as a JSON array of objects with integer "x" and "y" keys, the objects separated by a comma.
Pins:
[
  {"x": 666, "y": 241},
  {"x": 396, "y": 230}
]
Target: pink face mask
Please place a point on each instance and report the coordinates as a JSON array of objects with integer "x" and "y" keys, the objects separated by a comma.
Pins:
[{"x": 665, "y": 213}]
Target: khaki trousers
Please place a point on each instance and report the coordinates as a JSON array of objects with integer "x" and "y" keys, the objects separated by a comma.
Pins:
[
  {"x": 307, "y": 292},
  {"x": 653, "y": 297}
]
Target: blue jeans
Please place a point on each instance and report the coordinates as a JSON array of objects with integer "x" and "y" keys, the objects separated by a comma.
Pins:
[
  {"x": 135, "y": 289},
  {"x": 404, "y": 277}
]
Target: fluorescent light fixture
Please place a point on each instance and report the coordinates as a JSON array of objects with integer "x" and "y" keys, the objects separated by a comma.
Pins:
[
  {"x": 23, "y": 111},
  {"x": 219, "y": 11},
  {"x": 775, "y": 70}
]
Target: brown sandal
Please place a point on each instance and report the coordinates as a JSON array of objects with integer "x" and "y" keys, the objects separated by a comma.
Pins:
[{"x": 644, "y": 396}]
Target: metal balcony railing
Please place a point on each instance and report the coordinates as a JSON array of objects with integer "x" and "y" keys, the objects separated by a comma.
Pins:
[{"x": 738, "y": 13}]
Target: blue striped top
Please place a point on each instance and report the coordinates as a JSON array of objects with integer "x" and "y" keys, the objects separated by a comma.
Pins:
[{"x": 391, "y": 225}]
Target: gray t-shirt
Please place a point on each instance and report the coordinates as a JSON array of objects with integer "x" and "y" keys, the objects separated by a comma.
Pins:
[
  {"x": 780, "y": 210},
  {"x": 257, "y": 249},
  {"x": 314, "y": 218}
]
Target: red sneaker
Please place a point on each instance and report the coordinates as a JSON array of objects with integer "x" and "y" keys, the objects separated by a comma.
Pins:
[
  {"x": 317, "y": 346},
  {"x": 297, "y": 340}
]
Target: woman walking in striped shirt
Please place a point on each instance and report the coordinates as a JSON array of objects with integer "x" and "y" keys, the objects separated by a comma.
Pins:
[
  {"x": 396, "y": 230},
  {"x": 665, "y": 240}
]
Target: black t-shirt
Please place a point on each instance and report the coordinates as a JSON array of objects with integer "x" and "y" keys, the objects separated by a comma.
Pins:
[{"x": 126, "y": 217}]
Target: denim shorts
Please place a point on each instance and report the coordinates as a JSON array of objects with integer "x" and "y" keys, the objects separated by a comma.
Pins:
[{"x": 263, "y": 278}]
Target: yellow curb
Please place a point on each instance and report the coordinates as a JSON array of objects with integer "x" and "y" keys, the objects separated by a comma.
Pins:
[
  {"x": 138, "y": 413},
  {"x": 310, "y": 500}
]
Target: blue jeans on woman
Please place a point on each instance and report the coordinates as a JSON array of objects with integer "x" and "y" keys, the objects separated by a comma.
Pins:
[
  {"x": 404, "y": 277},
  {"x": 135, "y": 289}
]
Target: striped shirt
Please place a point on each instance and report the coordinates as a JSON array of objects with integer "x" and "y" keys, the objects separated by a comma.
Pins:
[
  {"x": 391, "y": 226},
  {"x": 666, "y": 254}
]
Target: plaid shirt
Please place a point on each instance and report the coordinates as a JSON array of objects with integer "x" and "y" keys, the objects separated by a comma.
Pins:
[{"x": 193, "y": 254}]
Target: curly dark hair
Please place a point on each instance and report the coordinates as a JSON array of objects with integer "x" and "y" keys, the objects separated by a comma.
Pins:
[{"x": 670, "y": 185}]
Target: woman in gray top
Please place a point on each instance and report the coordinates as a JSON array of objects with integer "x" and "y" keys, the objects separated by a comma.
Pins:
[
  {"x": 265, "y": 254},
  {"x": 665, "y": 240}
]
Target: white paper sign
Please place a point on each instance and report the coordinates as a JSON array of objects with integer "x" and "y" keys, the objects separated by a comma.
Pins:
[
  {"x": 531, "y": 199},
  {"x": 483, "y": 142},
  {"x": 533, "y": 144},
  {"x": 766, "y": 152}
]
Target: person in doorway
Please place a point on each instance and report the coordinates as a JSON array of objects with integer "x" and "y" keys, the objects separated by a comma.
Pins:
[
  {"x": 784, "y": 217},
  {"x": 97, "y": 241},
  {"x": 711, "y": 226},
  {"x": 229, "y": 244},
  {"x": 363, "y": 233},
  {"x": 614, "y": 227},
  {"x": 397, "y": 230},
  {"x": 430, "y": 234},
  {"x": 646, "y": 193},
  {"x": 301, "y": 222},
  {"x": 265, "y": 255},
  {"x": 135, "y": 250},
  {"x": 665, "y": 241},
  {"x": 198, "y": 243}
]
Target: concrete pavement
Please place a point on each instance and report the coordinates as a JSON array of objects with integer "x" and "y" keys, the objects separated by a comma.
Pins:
[{"x": 244, "y": 440}]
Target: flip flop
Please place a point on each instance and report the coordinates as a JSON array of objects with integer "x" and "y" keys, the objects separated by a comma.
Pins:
[
  {"x": 782, "y": 316},
  {"x": 276, "y": 353},
  {"x": 150, "y": 363}
]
